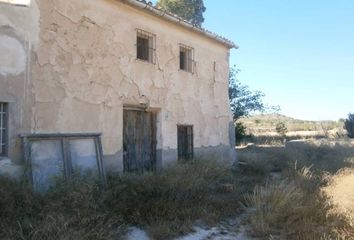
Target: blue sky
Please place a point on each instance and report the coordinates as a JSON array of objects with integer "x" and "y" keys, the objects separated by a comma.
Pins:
[{"x": 300, "y": 53}]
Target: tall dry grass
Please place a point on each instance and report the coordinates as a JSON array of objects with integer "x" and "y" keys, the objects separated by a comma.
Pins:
[
  {"x": 165, "y": 203},
  {"x": 296, "y": 207},
  {"x": 281, "y": 185},
  {"x": 72, "y": 210},
  {"x": 290, "y": 211},
  {"x": 169, "y": 202}
]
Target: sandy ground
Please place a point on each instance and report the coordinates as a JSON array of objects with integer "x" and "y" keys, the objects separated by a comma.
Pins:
[
  {"x": 341, "y": 191},
  {"x": 231, "y": 229}
]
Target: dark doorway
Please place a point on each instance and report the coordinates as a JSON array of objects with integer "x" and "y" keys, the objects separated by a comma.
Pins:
[
  {"x": 185, "y": 142},
  {"x": 139, "y": 141}
]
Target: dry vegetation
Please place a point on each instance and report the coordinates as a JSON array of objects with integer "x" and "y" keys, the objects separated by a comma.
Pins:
[
  {"x": 341, "y": 192},
  {"x": 261, "y": 129},
  {"x": 283, "y": 187},
  {"x": 296, "y": 206},
  {"x": 166, "y": 204}
]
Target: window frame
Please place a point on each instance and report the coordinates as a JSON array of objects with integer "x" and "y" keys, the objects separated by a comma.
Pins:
[
  {"x": 151, "y": 46},
  {"x": 64, "y": 139},
  {"x": 188, "y": 59},
  {"x": 4, "y": 129}
]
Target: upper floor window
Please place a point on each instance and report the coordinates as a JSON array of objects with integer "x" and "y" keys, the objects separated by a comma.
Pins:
[
  {"x": 3, "y": 128},
  {"x": 186, "y": 58},
  {"x": 145, "y": 46},
  {"x": 17, "y": 2}
]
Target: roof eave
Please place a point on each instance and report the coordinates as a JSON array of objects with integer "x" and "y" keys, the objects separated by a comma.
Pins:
[{"x": 147, "y": 6}]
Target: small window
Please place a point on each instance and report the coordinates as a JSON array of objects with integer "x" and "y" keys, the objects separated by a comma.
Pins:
[
  {"x": 145, "y": 46},
  {"x": 186, "y": 58},
  {"x": 185, "y": 142},
  {"x": 3, "y": 129}
]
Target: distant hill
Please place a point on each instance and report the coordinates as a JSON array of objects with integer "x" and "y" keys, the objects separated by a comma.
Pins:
[{"x": 265, "y": 123}]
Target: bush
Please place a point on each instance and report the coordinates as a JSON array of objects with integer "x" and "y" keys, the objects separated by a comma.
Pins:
[
  {"x": 271, "y": 205},
  {"x": 281, "y": 129},
  {"x": 240, "y": 132},
  {"x": 349, "y": 125}
]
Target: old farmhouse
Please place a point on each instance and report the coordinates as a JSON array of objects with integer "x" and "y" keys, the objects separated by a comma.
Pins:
[{"x": 113, "y": 85}]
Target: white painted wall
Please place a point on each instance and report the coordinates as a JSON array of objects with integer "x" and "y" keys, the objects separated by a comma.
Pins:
[{"x": 83, "y": 70}]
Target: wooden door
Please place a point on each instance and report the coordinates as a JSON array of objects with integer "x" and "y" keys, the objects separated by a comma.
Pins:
[
  {"x": 185, "y": 142},
  {"x": 139, "y": 141}
]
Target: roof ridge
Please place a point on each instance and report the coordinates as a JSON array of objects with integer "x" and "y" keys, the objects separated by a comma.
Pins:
[{"x": 148, "y": 6}]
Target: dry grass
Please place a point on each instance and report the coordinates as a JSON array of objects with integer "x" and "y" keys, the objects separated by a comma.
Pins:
[
  {"x": 341, "y": 192},
  {"x": 296, "y": 207},
  {"x": 265, "y": 123},
  {"x": 261, "y": 129},
  {"x": 289, "y": 210},
  {"x": 269, "y": 203},
  {"x": 73, "y": 210},
  {"x": 166, "y": 204}
]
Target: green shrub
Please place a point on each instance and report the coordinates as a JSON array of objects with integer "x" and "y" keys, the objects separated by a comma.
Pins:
[
  {"x": 281, "y": 129},
  {"x": 349, "y": 125},
  {"x": 240, "y": 132}
]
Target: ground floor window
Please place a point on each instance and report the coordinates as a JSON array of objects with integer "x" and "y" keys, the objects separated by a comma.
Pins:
[
  {"x": 3, "y": 128},
  {"x": 185, "y": 142}
]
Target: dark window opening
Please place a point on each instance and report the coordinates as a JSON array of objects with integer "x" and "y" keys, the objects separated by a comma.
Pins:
[
  {"x": 185, "y": 142},
  {"x": 3, "y": 128},
  {"x": 186, "y": 60},
  {"x": 182, "y": 60},
  {"x": 145, "y": 46}
]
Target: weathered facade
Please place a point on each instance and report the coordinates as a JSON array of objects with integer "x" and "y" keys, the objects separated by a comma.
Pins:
[{"x": 81, "y": 66}]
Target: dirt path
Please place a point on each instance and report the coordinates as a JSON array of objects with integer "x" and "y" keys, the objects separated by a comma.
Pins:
[
  {"x": 230, "y": 229},
  {"x": 341, "y": 191}
]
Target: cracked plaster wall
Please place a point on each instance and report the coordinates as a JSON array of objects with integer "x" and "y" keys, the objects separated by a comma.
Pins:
[
  {"x": 84, "y": 69},
  {"x": 19, "y": 28}
]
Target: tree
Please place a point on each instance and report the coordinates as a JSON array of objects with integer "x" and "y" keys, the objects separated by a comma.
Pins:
[
  {"x": 244, "y": 101},
  {"x": 349, "y": 125},
  {"x": 190, "y": 10}
]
